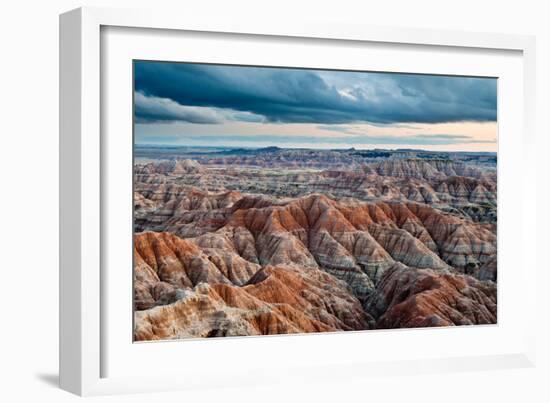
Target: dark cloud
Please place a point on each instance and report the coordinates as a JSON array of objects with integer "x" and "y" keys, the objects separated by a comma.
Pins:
[{"x": 310, "y": 96}]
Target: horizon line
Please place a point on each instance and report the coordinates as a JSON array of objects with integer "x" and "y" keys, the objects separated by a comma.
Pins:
[{"x": 166, "y": 145}]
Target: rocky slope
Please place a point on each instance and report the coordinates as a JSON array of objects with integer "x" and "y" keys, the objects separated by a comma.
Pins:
[
  {"x": 423, "y": 298},
  {"x": 312, "y": 264},
  {"x": 182, "y": 290}
]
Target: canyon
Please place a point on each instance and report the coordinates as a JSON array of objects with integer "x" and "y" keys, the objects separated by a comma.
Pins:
[{"x": 236, "y": 242}]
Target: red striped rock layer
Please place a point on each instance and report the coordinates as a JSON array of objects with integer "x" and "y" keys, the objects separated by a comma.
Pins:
[
  {"x": 318, "y": 231},
  {"x": 424, "y": 298},
  {"x": 313, "y": 264},
  {"x": 182, "y": 290},
  {"x": 344, "y": 237},
  {"x": 198, "y": 298}
]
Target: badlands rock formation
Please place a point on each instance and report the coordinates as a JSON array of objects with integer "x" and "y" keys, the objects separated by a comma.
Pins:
[
  {"x": 223, "y": 248},
  {"x": 424, "y": 298}
]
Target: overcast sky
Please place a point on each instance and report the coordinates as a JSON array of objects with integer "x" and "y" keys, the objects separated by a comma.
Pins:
[{"x": 198, "y": 104}]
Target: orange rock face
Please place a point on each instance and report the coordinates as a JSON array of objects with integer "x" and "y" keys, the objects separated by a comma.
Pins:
[
  {"x": 423, "y": 298},
  {"x": 179, "y": 293}
]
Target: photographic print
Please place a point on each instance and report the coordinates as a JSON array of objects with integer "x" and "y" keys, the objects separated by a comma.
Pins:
[{"x": 274, "y": 200}]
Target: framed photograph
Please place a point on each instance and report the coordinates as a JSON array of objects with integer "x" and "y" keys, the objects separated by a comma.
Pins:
[{"x": 317, "y": 197}]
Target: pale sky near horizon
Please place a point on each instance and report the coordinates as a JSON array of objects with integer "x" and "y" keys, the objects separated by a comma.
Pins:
[{"x": 236, "y": 106}]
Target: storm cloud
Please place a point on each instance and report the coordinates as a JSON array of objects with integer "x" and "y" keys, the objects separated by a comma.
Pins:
[{"x": 199, "y": 93}]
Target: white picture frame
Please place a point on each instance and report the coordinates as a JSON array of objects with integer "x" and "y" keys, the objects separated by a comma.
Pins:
[{"x": 85, "y": 344}]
